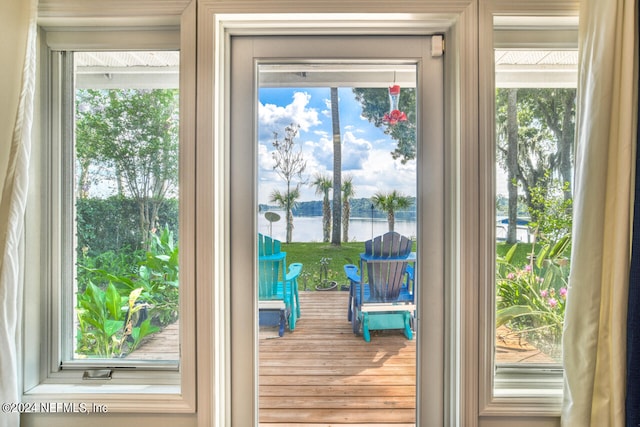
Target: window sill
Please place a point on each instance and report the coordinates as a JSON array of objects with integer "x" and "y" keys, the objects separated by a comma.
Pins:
[
  {"x": 123, "y": 398},
  {"x": 526, "y": 391}
]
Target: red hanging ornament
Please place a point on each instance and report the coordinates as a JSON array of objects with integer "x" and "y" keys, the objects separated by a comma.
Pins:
[{"x": 394, "y": 115}]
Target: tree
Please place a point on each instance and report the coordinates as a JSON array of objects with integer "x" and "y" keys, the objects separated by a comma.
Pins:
[
  {"x": 512, "y": 164},
  {"x": 323, "y": 185},
  {"x": 390, "y": 203},
  {"x": 289, "y": 163},
  {"x": 375, "y": 102},
  {"x": 90, "y": 126},
  {"x": 544, "y": 120},
  {"x": 134, "y": 132},
  {"x": 347, "y": 193},
  {"x": 556, "y": 108},
  {"x": 337, "y": 167}
]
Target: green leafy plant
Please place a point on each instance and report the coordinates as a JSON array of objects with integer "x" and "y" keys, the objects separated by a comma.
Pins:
[
  {"x": 157, "y": 275},
  {"x": 551, "y": 211},
  {"x": 531, "y": 298},
  {"x": 119, "y": 263},
  {"x": 107, "y": 322},
  {"x": 325, "y": 277}
]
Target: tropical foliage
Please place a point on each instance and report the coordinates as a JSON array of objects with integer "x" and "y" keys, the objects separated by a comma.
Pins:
[
  {"x": 118, "y": 306},
  {"x": 108, "y": 322},
  {"x": 348, "y": 191},
  {"x": 531, "y": 297},
  {"x": 390, "y": 203},
  {"x": 323, "y": 185}
]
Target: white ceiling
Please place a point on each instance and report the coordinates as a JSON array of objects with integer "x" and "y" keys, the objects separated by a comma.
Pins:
[
  {"x": 514, "y": 68},
  {"x": 116, "y": 70}
]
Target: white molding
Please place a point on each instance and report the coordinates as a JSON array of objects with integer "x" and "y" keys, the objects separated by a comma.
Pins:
[
  {"x": 218, "y": 20},
  {"x": 464, "y": 250},
  {"x": 87, "y": 39},
  {"x": 112, "y": 13},
  {"x": 562, "y": 15},
  {"x": 133, "y": 392}
]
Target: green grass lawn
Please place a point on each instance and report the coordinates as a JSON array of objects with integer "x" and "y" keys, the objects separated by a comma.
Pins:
[{"x": 310, "y": 254}]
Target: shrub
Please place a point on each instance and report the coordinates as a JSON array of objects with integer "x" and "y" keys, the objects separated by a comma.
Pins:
[
  {"x": 155, "y": 284},
  {"x": 531, "y": 298},
  {"x": 107, "y": 322}
]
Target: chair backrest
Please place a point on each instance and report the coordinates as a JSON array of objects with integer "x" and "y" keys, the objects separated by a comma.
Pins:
[
  {"x": 270, "y": 267},
  {"x": 386, "y": 265}
]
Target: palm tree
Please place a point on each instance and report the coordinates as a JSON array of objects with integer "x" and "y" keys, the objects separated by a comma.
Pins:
[
  {"x": 347, "y": 193},
  {"x": 323, "y": 185},
  {"x": 287, "y": 201},
  {"x": 389, "y": 203},
  {"x": 337, "y": 167}
]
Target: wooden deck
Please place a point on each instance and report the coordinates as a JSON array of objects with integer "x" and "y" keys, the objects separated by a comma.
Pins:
[{"x": 322, "y": 375}]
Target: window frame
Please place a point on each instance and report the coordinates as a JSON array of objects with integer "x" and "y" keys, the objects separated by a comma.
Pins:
[
  {"x": 525, "y": 390},
  {"x": 136, "y": 386},
  {"x": 470, "y": 107}
]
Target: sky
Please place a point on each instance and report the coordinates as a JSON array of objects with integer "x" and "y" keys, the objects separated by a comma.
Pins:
[{"x": 366, "y": 150}]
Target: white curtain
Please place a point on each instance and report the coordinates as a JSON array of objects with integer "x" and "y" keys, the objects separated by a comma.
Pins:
[
  {"x": 596, "y": 312},
  {"x": 14, "y": 195}
]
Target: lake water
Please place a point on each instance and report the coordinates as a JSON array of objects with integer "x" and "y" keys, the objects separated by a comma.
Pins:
[{"x": 309, "y": 228}]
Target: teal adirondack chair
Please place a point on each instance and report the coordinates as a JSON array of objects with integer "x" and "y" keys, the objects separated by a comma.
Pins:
[
  {"x": 382, "y": 295},
  {"x": 278, "y": 301}
]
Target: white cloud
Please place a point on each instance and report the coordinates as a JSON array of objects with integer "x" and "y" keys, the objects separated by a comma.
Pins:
[
  {"x": 381, "y": 172},
  {"x": 368, "y": 160},
  {"x": 274, "y": 118}
]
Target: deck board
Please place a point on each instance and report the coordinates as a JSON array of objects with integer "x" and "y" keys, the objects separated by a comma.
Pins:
[{"x": 322, "y": 375}]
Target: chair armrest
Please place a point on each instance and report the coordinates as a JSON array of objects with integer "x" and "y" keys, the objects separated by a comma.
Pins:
[
  {"x": 352, "y": 273},
  {"x": 294, "y": 271},
  {"x": 409, "y": 271}
]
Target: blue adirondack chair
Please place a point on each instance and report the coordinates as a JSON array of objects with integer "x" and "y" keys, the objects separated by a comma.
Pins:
[
  {"x": 382, "y": 295},
  {"x": 278, "y": 301}
]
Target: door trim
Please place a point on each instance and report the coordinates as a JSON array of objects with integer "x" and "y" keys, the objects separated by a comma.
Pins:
[{"x": 217, "y": 22}]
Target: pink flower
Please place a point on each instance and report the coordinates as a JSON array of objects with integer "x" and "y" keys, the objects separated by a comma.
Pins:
[
  {"x": 552, "y": 302},
  {"x": 511, "y": 276},
  {"x": 527, "y": 267},
  {"x": 563, "y": 293},
  {"x": 544, "y": 294}
]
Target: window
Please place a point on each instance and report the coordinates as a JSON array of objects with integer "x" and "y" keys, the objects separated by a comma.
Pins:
[
  {"x": 112, "y": 301},
  {"x": 125, "y": 209},
  {"x": 535, "y": 98}
]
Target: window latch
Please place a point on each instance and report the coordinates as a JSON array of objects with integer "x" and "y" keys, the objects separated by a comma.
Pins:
[{"x": 97, "y": 374}]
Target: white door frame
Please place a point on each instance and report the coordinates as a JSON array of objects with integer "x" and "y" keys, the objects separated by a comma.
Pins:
[
  {"x": 415, "y": 50},
  {"x": 217, "y": 22}
]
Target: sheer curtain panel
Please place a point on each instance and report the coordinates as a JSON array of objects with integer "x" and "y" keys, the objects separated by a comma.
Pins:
[
  {"x": 596, "y": 312},
  {"x": 18, "y": 27}
]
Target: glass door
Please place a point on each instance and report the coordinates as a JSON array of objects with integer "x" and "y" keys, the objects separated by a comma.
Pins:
[{"x": 337, "y": 202}]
